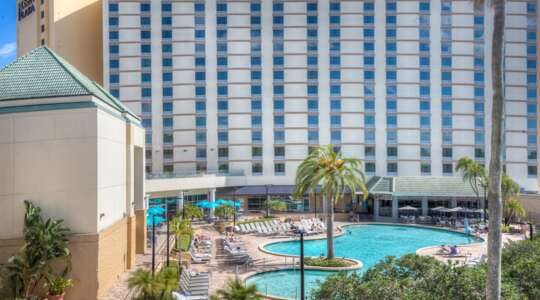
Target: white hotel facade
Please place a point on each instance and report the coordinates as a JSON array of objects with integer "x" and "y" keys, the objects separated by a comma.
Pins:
[{"x": 245, "y": 88}]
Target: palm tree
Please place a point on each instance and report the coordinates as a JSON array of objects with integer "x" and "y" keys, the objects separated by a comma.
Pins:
[
  {"x": 475, "y": 174},
  {"x": 192, "y": 211},
  {"x": 335, "y": 174},
  {"x": 275, "y": 205},
  {"x": 236, "y": 290},
  {"x": 510, "y": 195},
  {"x": 493, "y": 281},
  {"x": 144, "y": 284}
]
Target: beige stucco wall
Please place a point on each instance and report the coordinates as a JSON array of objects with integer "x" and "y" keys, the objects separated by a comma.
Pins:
[
  {"x": 531, "y": 203},
  {"x": 49, "y": 158},
  {"x": 73, "y": 29}
]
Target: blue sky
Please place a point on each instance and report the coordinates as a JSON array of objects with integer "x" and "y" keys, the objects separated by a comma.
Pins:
[{"x": 8, "y": 45}]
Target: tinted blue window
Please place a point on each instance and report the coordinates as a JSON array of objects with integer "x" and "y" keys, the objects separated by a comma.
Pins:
[
  {"x": 114, "y": 78},
  {"x": 335, "y": 33},
  {"x": 369, "y": 19},
  {"x": 424, "y": 47},
  {"x": 531, "y": 36},
  {"x": 335, "y": 6},
  {"x": 256, "y": 105},
  {"x": 256, "y": 90},
  {"x": 446, "y": 76},
  {"x": 335, "y": 60},
  {"x": 200, "y": 91},
  {"x": 200, "y": 137},
  {"x": 531, "y": 64},
  {"x": 369, "y": 90},
  {"x": 145, "y": 34},
  {"x": 478, "y": 20},
  {"x": 200, "y": 106},
  {"x": 167, "y": 34},
  {"x": 369, "y": 32},
  {"x": 369, "y": 46},
  {"x": 478, "y": 92},
  {"x": 531, "y": 50},
  {"x": 278, "y": 60},
  {"x": 222, "y": 75},
  {"x": 447, "y": 121},
  {"x": 531, "y": 7},
  {"x": 313, "y": 105},
  {"x": 424, "y": 91},
  {"x": 531, "y": 124},
  {"x": 113, "y": 63},
  {"x": 222, "y": 90},
  {"x": 313, "y": 120},
  {"x": 166, "y": 7},
  {"x": 531, "y": 78},
  {"x": 335, "y": 19},
  {"x": 335, "y": 46},
  {"x": 479, "y": 77},
  {"x": 531, "y": 108},
  {"x": 278, "y": 90},
  {"x": 223, "y": 105},
  {"x": 167, "y": 107},
  {"x": 255, "y": 7},
  {"x": 391, "y": 121},
  {"x": 369, "y": 75},
  {"x": 256, "y": 75},
  {"x": 146, "y": 92},
  {"x": 277, "y": 7},
  {"x": 221, "y": 7},
  {"x": 115, "y": 93},
  {"x": 145, "y": 20},
  {"x": 113, "y": 21},
  {"x": 313, "y": 136},
  {"x": 335, "y": 136},
  {"x": 223, "y": 121},
  {"x": 446, "y": 91},
  {"x": 200, "y": 61},
  {"x": 166, "y": 20},
  {"x": 368, "y": 6},
  {"x": 312, "y": 89},
  {"x": 279, "y": 120},
  {"x": 391, "y": 136},
  {"x": 424, "y": 121},
  {"x": 312, "y": 33},
  {"x": 255, "y": 60},
  {"x": 531, "y": 139},
  {"x": 200, "y": 121},
  {"x": 336, "y": 75},
  {"x": 146, "y": 77},
  {"x": 424, "y": 6},
  {"x": 167, "y": 92},
  {"x": 221, "y": 34},
  {"x": 479, "y": 107},
  {"x": 390, "y": 33},
  {"x": 369, "y": 105},
  {"x": 391, "y": 19},
  {"x": 424, "y": 33},
  {"x": 479, "y": 122},
  {"x": 200, "y": 76},
  {"x": 167, "y": 62},
  {"x": 146, "y": 62},
  {"x": 424, "y": 61},
  {"x": 256, "y": 136},
  {"x": 369, "y": 120},
  {"x": 390, "y": 60},
  {"x": 391, "y": 75},
  {"x": 256, "y": 121},
  {"x": 478, "y": 62},
  {"x": 311, "y": 46},
  {"x": 391, "y": 90},
  {"x": 277, "y": 19},
  {"x": 278, "y": 75},
  {"x": 255, "y": 20},
  {"x": 391, "y": 46},
  {"x": 312, "y": 19},
  {"x": 113, "y": 49},
  {"x": 146, "y": 48},
  {"x": 531, "y": 93},
  {"x": 145, "y": 6},
  {"x": 113, "y": 35},
  {"x": 312, "y": 6},
  {"x": 199, "y": 20},
  {"x": 199, "y": 48},
  {"x": 199, "y": 34},
  {"x": 447, "y": 106},
  {"x": 370, "y": 135},
  {"x": 167, "y": 122},
  {"x": 424, "y": 75},
  {"x": 147, "y": 123},
  {"x": 312, "y": 60},
  {"x": 312, "y": 74},
  {"x": 335, "y": 105},
  {"x": 221, "y": 20},
  {"x": 222, "y": 61},
  {"x": 391, "y": 6},
  {"x": 447, "y": 137},
  {"x": 335, "y": 89},
  {"x": 424, "y": 106},
  {"x": 279, "y": 105},
  {"x": 391, "y": 105},
  {"x": 113, "y": 7}
]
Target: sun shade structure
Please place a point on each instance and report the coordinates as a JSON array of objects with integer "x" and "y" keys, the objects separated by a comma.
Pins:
[{"x": 418, "y": 186}]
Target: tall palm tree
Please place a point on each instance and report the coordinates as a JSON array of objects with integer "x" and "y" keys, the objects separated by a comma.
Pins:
[
  {"x": 493, "y": 281},
  {"x": 235, "y": 290},
  {"x": 180, "y": 227},
  {"x": 335, "y": 174},
  {"x": 475, "y": 174},
  {"x": 510, "y": 196}
]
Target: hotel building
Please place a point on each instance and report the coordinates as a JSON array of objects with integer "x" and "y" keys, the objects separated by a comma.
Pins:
[
  {"x": 72, "y": 28},
  {"x": 246, "y": 88}
]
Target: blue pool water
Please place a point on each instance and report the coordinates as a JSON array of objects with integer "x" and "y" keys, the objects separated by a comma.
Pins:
[{"x": 367, "y": 243}]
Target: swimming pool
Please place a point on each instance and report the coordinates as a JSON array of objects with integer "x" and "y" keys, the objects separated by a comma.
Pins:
[{"x": 367, "y": 243}]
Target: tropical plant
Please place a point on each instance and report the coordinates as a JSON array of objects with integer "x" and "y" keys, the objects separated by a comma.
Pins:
[
  {"x": 512, "y": 208},
  {"x": 192, "y": 212},
  {"x": 180, "y": 228},
  {"x": 224, "y": 211},
  {"x": 58, "y": 285},
  {"x": 336, "y": 175},
  {"x": 159, "y": 287},
  {"x": 236, "y": 290},
  {"x": 45, "y": 249},
  {"x": 475, "y": 174},
  {"x": 493, "y": 280},
  {"x": 411, "y": 277},
  {"x": 275, "y": 205}
]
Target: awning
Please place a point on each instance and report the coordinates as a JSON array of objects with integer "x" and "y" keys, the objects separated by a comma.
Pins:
[{"x": 260, "y": 190}]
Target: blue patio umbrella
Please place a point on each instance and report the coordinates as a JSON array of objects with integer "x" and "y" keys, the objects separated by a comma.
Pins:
[
  {"x": 222, "y": 202},
  {"x": 156, "y": 210},
  {"x": 207, "y": 204},
  {"x": 151, "y": 218}
]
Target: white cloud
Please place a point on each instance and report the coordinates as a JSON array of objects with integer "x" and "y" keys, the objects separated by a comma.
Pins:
[{"x": 8, "y": 49}]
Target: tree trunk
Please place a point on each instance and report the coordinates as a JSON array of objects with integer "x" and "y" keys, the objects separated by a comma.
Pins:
[
  {"x": 329, "y": 203},
  {"x": 493, "y": 284}
]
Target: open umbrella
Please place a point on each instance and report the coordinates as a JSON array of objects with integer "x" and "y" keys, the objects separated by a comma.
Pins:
[
  {"x": 408, "y": 208},
  {"x": 156, "y": 210},
  {"x": 207, "y": 204}
]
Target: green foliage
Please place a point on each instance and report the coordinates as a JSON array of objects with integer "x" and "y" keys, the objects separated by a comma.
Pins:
[
  {"x": 275, "y": 205},
  {"x": 324, "y": 262},
  {"x": 236, "y": 290},
  {"x": 58, "y": 285},
  {"x": 192, "y": 212},
  {"x": 183, "y": 231},
  {"x": 224, "y": 211},
  {"x": 411, "y": 277},
  {"x": 184, "y": 242},
  {"x": 521, "y": 266},
  {"x": 157, "y": 287},
  {"x": 27, "y": 273},
  {"x": 335, "y": 175},
  {"x": 474, "y": 173}
]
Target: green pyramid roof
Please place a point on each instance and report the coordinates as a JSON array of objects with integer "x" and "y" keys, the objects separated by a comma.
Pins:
[{"x": 41, "y": 73}]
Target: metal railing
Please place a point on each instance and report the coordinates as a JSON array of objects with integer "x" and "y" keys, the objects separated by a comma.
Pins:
[{"x": 187, "y": 174}]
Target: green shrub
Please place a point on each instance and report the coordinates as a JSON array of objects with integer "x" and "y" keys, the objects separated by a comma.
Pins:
[{"x": 324, "y": 262}]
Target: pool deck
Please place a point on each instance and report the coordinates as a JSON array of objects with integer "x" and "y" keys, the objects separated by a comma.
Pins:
[{"x": 263, "y": 261}]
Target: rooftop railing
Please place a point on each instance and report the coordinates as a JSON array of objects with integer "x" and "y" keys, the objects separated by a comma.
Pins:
[{"x": 187, "y": 174}]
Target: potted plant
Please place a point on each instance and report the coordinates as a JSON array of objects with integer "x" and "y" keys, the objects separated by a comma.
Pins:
[{"x": 58, "y": 286}]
